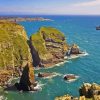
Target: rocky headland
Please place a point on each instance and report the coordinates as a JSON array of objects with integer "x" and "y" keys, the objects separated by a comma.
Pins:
[
  {"x": 14, "y": 51},
  {"x": 21, "y": 19},
  {"x": 50, "y": 46},
  {"x": 18, "y": 54}
]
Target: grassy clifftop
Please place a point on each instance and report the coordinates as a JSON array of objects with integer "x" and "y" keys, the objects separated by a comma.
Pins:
[
  {"x": 48, "y": 42},
  {"x": 14, "y": 50}
]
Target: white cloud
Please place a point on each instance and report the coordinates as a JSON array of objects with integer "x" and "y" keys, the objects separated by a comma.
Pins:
[
  {"x": 89, "y": 3},
  {"x": 84, "y": 8}
]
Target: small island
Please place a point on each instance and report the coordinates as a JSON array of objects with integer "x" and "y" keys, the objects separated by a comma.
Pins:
[{"x": 20, "y": 54}]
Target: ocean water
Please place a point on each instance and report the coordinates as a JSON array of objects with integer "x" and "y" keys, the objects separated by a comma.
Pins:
[{"x": 77, "y": 29}]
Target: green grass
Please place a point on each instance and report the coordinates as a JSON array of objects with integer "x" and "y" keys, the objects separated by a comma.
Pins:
[
  {"x": 13, "y": 42},
  {"x": 52, "y": 33},
  {"x": 39, "y": 43}
]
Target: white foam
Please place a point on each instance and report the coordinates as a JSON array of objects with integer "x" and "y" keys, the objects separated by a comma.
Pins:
[
  {"x": 38, "y": 87},
  {"x": 58, "y": 64},
  {"x": 61, "y": 63},
  {"x": 73, "y": 56},
  {"x": 3, "y": 98},
  {"x": 66, "y": 58},
  {"x": 72, "y": 80}
]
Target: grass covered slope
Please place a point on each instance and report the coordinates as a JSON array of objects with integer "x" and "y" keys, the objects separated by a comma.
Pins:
[
  {"x": 49, "y": 42},
  {"x": 14, "y": 50}
]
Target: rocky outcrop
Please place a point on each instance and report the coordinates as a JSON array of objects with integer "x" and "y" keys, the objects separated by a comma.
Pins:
[
  {"x": 75, "y": 49},
  {"x": 90, "y": 90},
  {"x": 14, "y": 50},
  {"x": 27, "y": 80},
  {"x": 5, "y": 75},
  {"x": 50, "y": 45},
  {"x": 87, "y": 92},
  {"x": 66, "y": 97}
]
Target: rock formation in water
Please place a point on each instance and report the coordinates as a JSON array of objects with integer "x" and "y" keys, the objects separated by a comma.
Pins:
[
  {"x": 45, "y": 48},
  {"x": 50, "y": 46},
  {"x": 75, "y": 49},
  {"x": 14, "y": 50},
  {"x": 90, "y": 90},
  {"x": 87, "y": 92},
  {"x": 27, "y": 80}
]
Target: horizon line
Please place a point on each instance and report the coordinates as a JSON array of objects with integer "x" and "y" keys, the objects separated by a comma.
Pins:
[{"x": 3, "y": 14}]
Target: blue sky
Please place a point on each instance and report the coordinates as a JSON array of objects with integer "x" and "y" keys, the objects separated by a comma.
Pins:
[{"x": 74, "y": 7}]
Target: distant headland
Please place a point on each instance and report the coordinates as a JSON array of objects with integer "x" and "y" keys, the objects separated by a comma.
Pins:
[{"x": 21, "y": 19}]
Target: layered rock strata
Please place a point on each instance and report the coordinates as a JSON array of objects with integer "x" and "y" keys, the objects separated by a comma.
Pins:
[
  {"x": 50, "y": 45},
  {"x": 14, "y": 50}
]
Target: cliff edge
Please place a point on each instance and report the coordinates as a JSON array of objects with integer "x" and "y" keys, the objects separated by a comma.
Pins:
[
  {"x": 50, "y": 46},
  {"x": 14, "y": 50}
]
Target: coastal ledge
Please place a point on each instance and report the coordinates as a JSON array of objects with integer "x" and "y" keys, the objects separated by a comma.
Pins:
[{"x": 87, "y": 92}]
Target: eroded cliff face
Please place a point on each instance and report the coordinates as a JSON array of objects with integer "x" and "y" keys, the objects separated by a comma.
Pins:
[
  {"x": 50, "y": 45},
  {"x": 27, "y": 80},
  {"x": 14, "y": 49}
]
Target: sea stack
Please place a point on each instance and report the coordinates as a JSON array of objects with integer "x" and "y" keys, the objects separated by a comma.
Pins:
[
  {"x": 27, "y": 80},
  {"x": 75, "y": 49},
  {"x": 50, "y": 46}
]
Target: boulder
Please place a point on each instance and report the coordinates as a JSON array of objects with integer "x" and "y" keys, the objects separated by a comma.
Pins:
[
  {"x": 75, "y": 49},
  {"x": 89, "y": 90}
]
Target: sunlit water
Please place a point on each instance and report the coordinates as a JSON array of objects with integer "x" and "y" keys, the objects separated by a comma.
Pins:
[{"x": 77, "y": 29}]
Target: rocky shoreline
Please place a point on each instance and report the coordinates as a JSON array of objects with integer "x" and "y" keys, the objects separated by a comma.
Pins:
[
  {"x": 87, "y": 92},
  {"x": 46, "y": 48}
]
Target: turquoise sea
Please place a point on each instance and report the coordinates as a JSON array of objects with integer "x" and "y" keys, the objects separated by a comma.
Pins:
[{"x": 77, "y": 29}]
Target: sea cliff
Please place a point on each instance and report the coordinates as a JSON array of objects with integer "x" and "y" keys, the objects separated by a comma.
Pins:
[
  {"x": 45, "y": 48},
  {"x": 14, "y": 50},
  {"x": 50, "y": 45}
]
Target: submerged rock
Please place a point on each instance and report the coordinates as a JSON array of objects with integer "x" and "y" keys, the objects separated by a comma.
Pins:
[
  {"x": 45, "y": 75},
  {"x": 69, "y": 77}
]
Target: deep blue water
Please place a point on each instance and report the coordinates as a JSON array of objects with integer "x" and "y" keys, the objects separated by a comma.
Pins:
[{"x": 77, "y": 29}]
